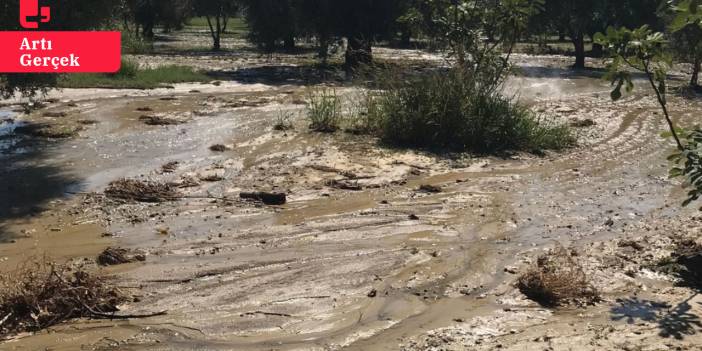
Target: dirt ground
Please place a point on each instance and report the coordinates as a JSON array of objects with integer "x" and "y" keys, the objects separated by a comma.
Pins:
[{"x": 360, "y": 257}]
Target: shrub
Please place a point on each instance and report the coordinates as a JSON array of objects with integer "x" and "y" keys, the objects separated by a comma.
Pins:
[
  {"x": 453, "y": 110},
  {"x": 324, "y": 110},
  {"x": 557, "y": 279}
]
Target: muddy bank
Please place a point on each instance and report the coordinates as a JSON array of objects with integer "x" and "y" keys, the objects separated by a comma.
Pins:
[{"x": 361, "y": 256}]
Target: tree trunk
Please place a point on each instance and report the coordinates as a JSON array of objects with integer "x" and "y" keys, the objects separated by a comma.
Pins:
[
  {"x": 697, "y": 66},
  {"x": 323, "y": 47},
  {"x": 406, "y": 38},
  {"x": 579, "y": 43},
  {"x": 358, "y": 53},
  {"x": 597, "y": 50},
  {"x": 289, "y": 43}
]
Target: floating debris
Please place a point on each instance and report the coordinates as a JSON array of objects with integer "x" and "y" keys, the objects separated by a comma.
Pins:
[{"x": 135, "y": 190}]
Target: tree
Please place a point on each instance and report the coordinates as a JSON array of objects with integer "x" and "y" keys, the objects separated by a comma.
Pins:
[
  {"x": 645, "y": 51},
  {"x": 581, "y": 19},
  {"x": 66, "y": 15},
  {"x": 217, "y": 13},
  {"x": 361, "y": 22},
  {"x": 686, "y": 30},
  {"x": 271, "y": 22}
]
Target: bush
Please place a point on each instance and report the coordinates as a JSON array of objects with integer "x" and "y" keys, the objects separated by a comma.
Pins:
[
  {"x": 453, "y": 110},
  {"x": 557, "y": 279},
  {"x": 324, "y": 110}
]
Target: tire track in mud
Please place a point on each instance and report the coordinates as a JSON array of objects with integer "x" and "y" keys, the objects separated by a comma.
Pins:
[{"x": 424, "y": 272}]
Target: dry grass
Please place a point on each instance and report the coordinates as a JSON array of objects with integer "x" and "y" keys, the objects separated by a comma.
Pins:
[
  {"x": 41, "y": 294},
  {"x": 141, "y": 191},
  {"x": 557, "y": 279}
]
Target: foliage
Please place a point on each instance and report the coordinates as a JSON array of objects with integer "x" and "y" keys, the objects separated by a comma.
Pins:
[
  {"x": 324, "y": 110},
  {"x": 271, "y": 22},
  {"x": 360, "y": 21},
  {"x": 686, "y": 30},
  {"x": 646, "y": 51},
  {"x": 451, "y": 110},
  {"x": 689, "y": 165}
]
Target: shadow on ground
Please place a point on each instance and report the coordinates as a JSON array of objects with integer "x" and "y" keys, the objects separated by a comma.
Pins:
[
  {"x": 673, "y": 321},
  {"x": 30, "y": 179}
]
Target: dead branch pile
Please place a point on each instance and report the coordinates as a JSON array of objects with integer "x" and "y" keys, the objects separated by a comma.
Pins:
[
  {"x": 153, "y": 120},
  {"x": 136, "y": 190},
  {"x": 114, "y": 256},
  {"x": 41, "y": 294},
  {"x": 557, "y": 279}
]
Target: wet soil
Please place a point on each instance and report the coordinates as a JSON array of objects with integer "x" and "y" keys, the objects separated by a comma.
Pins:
[{"x": 381, "y": 265}]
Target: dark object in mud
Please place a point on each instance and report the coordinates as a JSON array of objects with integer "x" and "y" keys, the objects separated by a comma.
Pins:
[
  {"x": 170, "y": 167},
  {"x": 41, "y": 294},
  {"x": 145, "y": 109},
  {"x": 135, "y": 190},
  {"x": 583, "y": 123},
  {"x": 49, "y": 131},
  {"x": 114, "y": 256},
  {"x": 413, "y": 217},
  {"x": 344, "y": 185},
  {"x": 266, "y": 198},
  {"x": 373, "y": 293},
  {"x": 159, "y": 121},
  {"x": 218, "y": 148},
  {"x": 432, "y": 189},
  {"x": 168, "y": 98},
  {"x": 88, "y": 122},
  {"x": 557, "y": 279},
  {"x": 55, "y": 114}
]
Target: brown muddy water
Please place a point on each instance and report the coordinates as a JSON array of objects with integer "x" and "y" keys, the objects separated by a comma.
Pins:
[{"x": 332, "y": 269}]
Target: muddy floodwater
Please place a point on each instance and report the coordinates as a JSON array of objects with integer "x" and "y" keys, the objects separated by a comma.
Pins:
[{"x": 380, "y": 265}]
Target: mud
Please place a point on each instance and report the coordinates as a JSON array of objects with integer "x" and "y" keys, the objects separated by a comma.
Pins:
[{"x": 383, "y": 266}]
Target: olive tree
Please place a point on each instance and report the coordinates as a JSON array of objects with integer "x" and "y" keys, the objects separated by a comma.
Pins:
[{"x": 646, "y": 51}]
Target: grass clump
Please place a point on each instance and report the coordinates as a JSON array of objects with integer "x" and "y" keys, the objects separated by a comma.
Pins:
[
  {"x": 324, "y": 111},
  {"x": 41, "y": 294},
  {"x": 453, "y": 110},
  {"x": 132, "y": 76},
  {"x": 557, "y": 279}
]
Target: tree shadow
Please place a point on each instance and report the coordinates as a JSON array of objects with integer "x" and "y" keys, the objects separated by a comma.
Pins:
[
  {"x": 30, "y": 178},
  {"x": 673, "y": 321}
]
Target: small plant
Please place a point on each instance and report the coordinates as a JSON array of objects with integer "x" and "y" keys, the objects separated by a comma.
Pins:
[
  {"x": 283, "y": 121},
  {"x": 366, "y": 113},
  {"x": 324, "y": 110},
  {"x": 128, "y": 69},
  {"x": 557, "y": 279}
]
